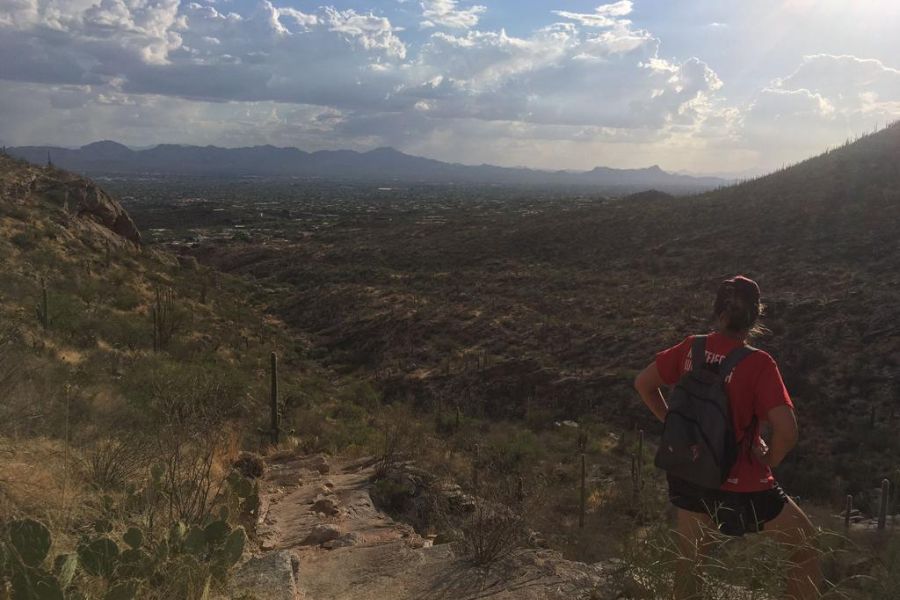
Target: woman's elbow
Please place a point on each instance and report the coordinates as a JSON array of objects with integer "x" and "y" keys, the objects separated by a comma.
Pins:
[
  {"x": 642, "y": 383},
  {"x": 647, "y": 380},
  {"x": 793, "y": 435},
  {"x": 784, "y": 425}
]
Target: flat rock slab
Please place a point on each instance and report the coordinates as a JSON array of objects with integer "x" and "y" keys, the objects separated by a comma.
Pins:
[
  {"x": 268, "y": 577},
  {"x": 373, "y": 557},
  {"x": 397, "y": 572}
]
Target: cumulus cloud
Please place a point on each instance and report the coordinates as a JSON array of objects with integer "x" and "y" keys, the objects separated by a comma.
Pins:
[
  {"x": 825, "y": 100},
  {"x": 560, "y": 75},
  {"x": 73, "y": 115},
  {"x": 593, "y": 78},
  {"x": 838, "y": 88},
  {"x": 850, "y": 84},
  {"x": 447, "y": 13},
  {"x": 606, "y": 15}
]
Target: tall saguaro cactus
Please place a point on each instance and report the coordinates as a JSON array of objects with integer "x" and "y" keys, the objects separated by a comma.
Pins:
[
  {"x": 274, "y": 398},
  {"x": 163, "y": 319},
  {"x": 43, "y": 313},
  {"x": 883, "y": 508}
]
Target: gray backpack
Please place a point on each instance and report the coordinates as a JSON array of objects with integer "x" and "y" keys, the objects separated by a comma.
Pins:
[{"x": 698, "y": 441}]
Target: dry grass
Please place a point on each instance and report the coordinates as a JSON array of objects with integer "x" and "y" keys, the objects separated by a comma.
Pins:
[{"x": 34, "y": 482}]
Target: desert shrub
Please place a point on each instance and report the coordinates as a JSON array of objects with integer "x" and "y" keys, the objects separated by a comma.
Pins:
[
  {"x": 122, "y": 296},
  {"x": 26, "y": 240},
  {"x": 250, "y": 465},
  {"x": 884, "y": 582},
  {"x": 111, "y": 464},
  {"x": 128, "y": 332},
  {"x": 362, "y": 394},
  {"x": 193, "y": 450},
  {"x": 496, "y": 526},
  {"x": 396, "y": 442},
  {"x": 189, "y": 457},
  {"x": 166, "y": 390},
  {"x": 511, "y": 449},
  {"x": 652, "y": 558}
]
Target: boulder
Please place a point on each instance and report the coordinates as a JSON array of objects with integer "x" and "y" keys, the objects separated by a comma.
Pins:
[
  {"x": 320, "y": 464},
  {"x": 271, "y": 576},
  {"x": 88, "y": 201},
  {"x": 448, "y": 536},
  {"x": 346, "y": 540},
  {"x": 321, "y": 534},
  {"x": 250, "y": 465},
  {"x": 326, "y": 506}
]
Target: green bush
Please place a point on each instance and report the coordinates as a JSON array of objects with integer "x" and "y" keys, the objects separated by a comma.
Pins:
[{"x": 27, "y": 240}]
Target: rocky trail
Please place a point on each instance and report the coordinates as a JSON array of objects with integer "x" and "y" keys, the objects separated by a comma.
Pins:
[{"x": 321, "y": 537}]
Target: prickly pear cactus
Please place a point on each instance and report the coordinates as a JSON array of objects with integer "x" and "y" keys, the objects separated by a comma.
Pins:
[
  {"x": 157, "y": 470},
  {"x": 177, "y": 533},
  {"x": 216, "y": 532},
  {"x": 30, "y": 583},
  {"x": 123, "y": 590},
  {"x": 134, "y": 537},
  {"x": 161, "y": 552},
  {"x": 135, "y": 563},
  {"x": 99, "y": 556},
  {"x": 240, "y": 485},
  {"x": 65, "y": 566},
  {"x": 233, "y": 548},
  {"x": 31, "y": 539},
  {"x": 195, "y": 541}
]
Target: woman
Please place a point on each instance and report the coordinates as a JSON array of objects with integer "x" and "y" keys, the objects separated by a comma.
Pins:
[{"x": 750, "y": 501}]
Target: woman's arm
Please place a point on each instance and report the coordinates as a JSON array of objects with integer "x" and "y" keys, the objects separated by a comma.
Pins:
[
  {"x": 784, "y": 436},
  {"x": 647, "y": 384}
]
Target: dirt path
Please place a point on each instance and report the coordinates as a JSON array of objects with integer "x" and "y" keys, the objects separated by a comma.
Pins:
[{"x": 321, "y": 538}]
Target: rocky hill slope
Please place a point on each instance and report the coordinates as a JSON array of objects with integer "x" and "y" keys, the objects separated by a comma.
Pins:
[{"x": 129, "y": 381}]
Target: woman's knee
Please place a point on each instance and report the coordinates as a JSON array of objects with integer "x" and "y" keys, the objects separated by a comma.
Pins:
[
  {"x": 691, "y": 530},
  {"x": 791, "y": 527}
]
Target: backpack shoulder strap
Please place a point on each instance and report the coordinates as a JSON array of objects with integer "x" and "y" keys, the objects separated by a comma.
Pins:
[
  {"x": 698, "y": 353},
  {"x": 734, "y": 357}
]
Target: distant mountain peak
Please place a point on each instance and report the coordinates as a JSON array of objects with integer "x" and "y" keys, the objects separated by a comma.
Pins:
[
  {"x": 108, "y": 147},
  {"x": 386, "y": 150},
  {"x": 381, "y": 165}
]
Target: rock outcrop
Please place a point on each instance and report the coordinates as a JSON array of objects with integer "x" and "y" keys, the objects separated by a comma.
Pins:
[
  {"x": 86, "y": 200},
  {"x": 75, "y": 196}
]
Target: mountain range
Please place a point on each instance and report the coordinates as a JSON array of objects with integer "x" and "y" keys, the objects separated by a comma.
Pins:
[{"x": 382, "y": 165}]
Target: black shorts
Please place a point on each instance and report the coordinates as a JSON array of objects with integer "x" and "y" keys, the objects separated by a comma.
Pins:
[{"x": 735, "y": 513}]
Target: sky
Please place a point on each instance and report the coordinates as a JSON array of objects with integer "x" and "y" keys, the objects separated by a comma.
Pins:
[{"x": 700, "y": 86}]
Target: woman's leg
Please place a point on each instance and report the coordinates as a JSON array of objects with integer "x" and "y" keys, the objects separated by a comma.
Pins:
[
  {"x": 792, "y": 529},
  {"x": 690, "y": 531}
]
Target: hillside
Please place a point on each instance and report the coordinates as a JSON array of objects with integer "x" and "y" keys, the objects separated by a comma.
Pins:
[
  {"x": 490, "y": 338},
  {"x": 130, "y": 382},
  {"x": 383, "y": 165},
  {"x": 542, "y": 310}
]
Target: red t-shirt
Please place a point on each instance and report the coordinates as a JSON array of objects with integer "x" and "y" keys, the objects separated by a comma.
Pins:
[{"x": 754, "y": 387}]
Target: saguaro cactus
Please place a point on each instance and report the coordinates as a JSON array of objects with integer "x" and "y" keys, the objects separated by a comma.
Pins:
[
  {"x": 849, "y": 510},
  {"x": 885, "y": 497},
  {"x": 41, "y": 310},
  {"x": 163, "y": 319},
  {"x": 583, "y": 500},
  {"x": 274, "y": 398}
]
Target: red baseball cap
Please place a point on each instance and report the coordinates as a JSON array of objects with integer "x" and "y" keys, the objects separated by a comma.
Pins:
[{"x": 744, "y": 286}]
